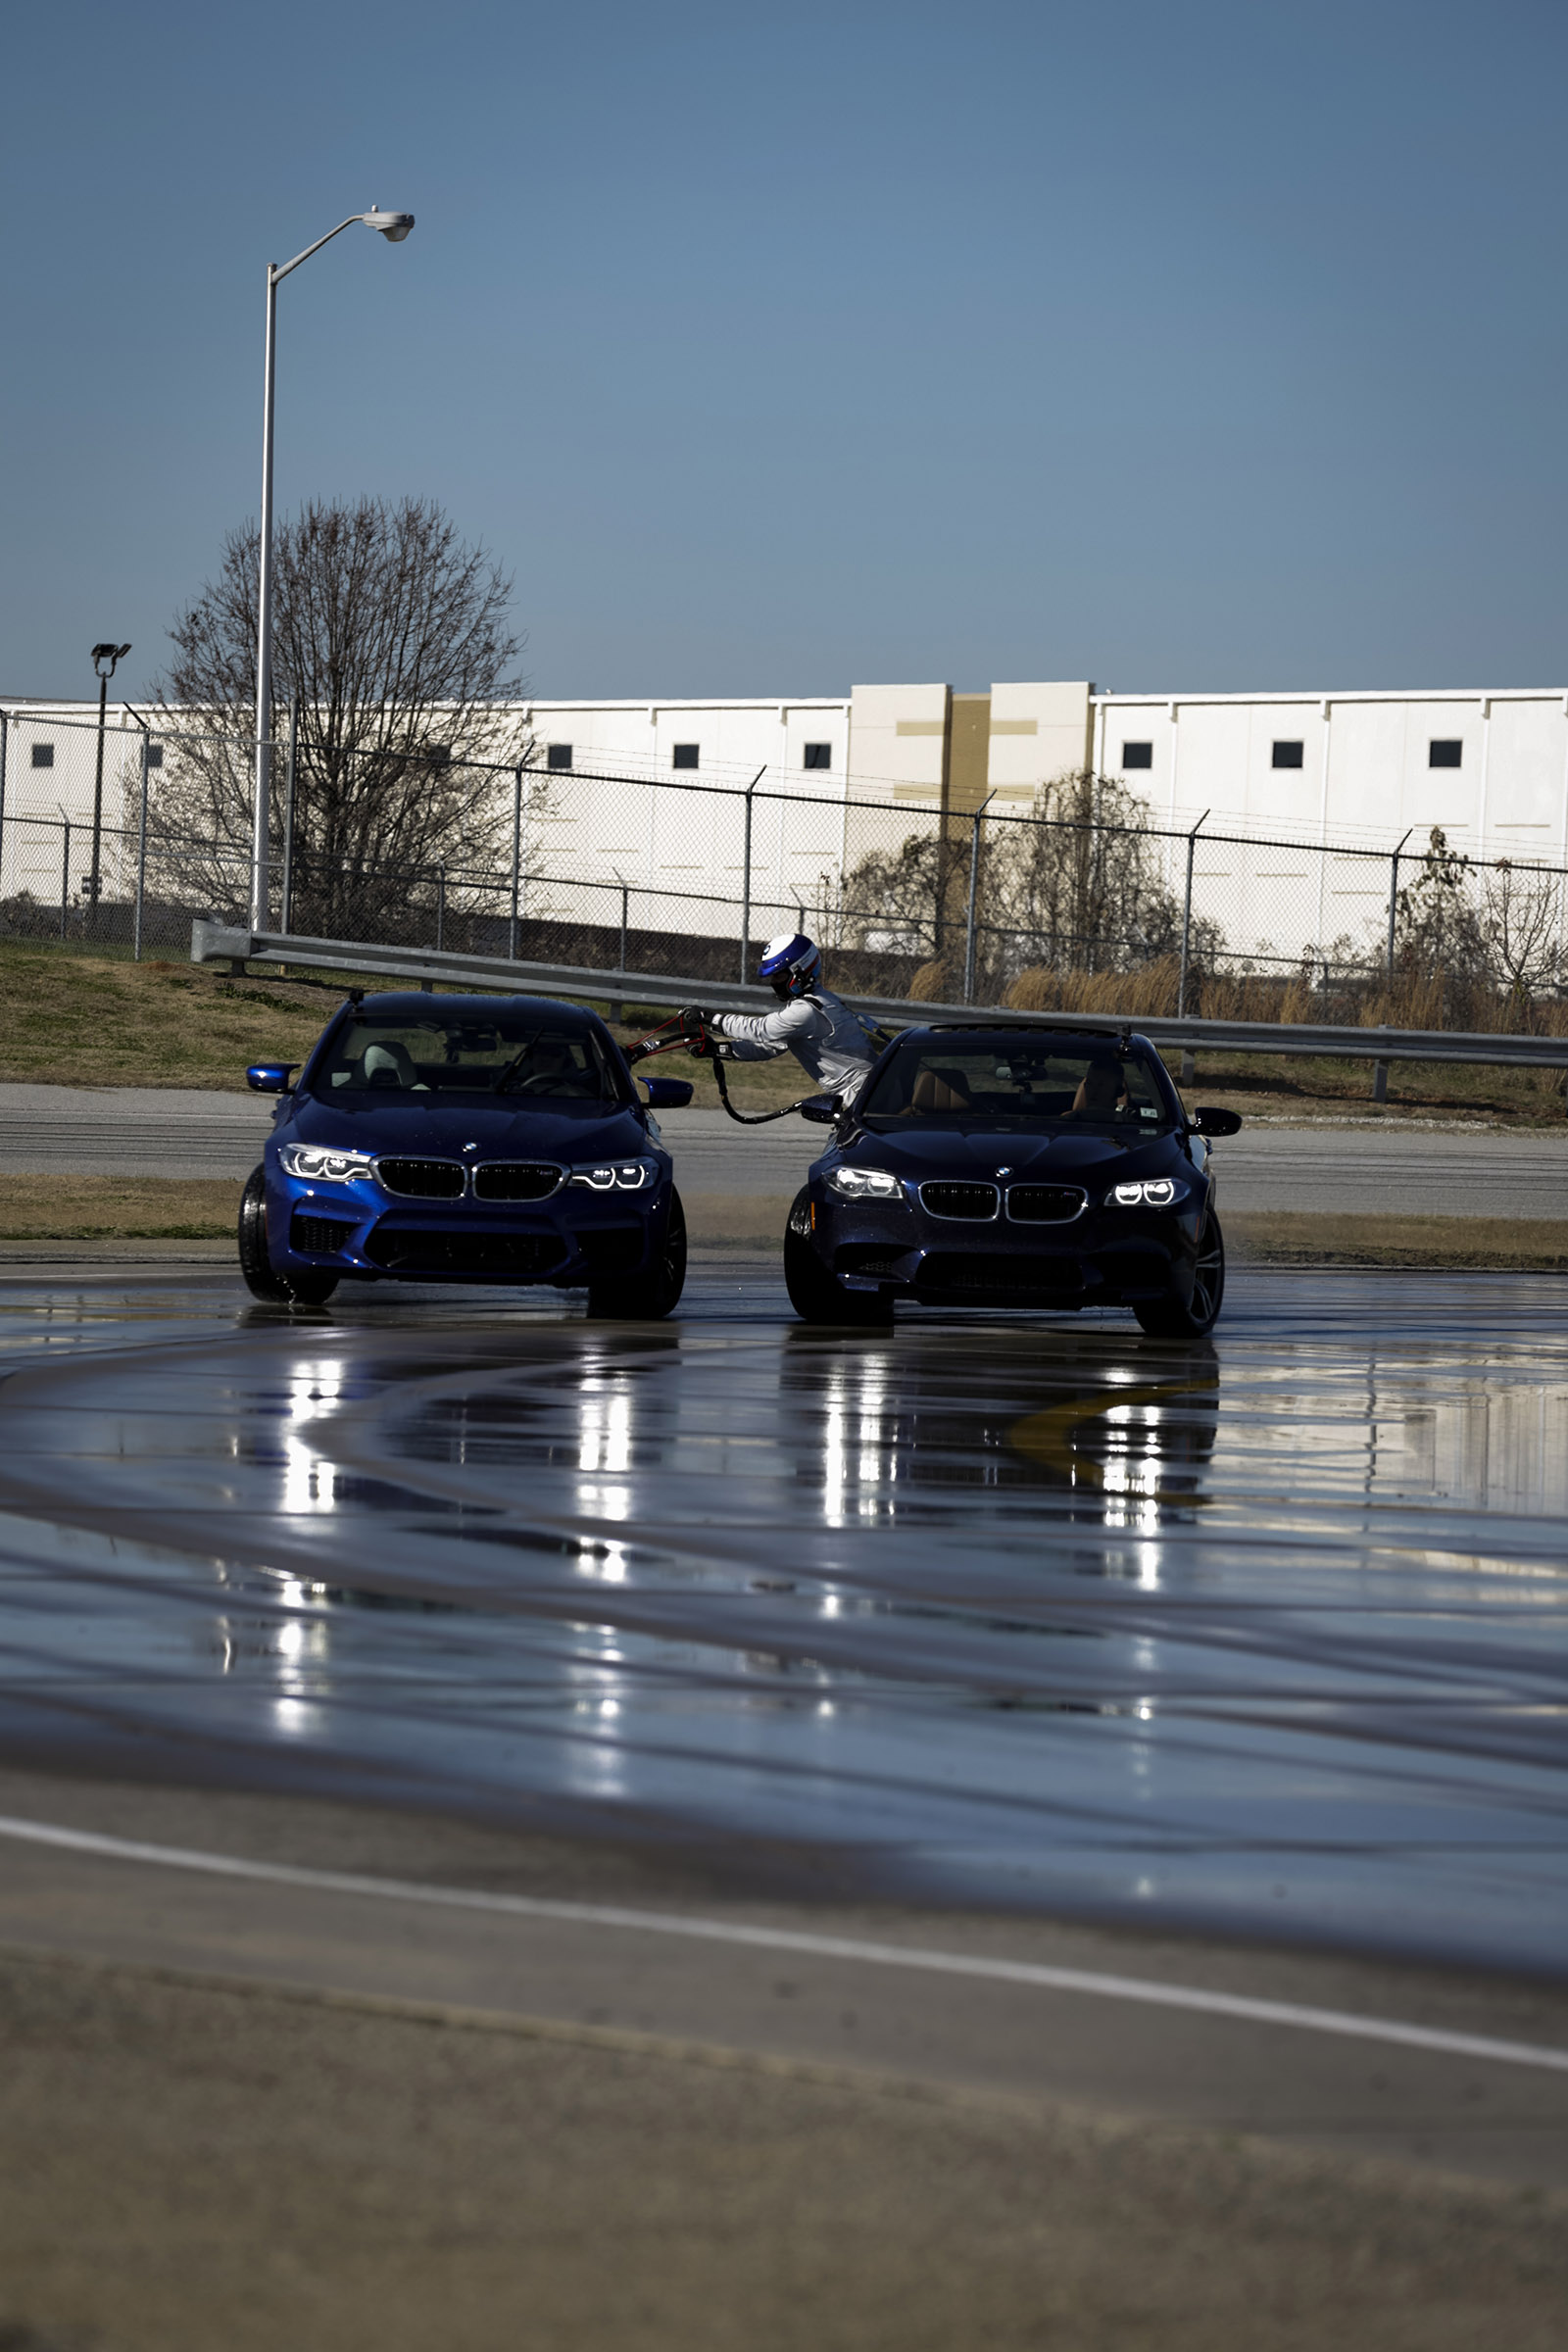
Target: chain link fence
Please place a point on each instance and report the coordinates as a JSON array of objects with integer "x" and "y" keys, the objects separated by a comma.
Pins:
[{"x": 1081, "y": 904}]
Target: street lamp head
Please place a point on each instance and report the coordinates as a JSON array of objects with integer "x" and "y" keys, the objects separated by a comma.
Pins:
[
  {"x": 394, "y": 227},
  {"x": 110, "y": 653}
]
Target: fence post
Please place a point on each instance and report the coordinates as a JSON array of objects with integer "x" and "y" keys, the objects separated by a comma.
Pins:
[
  {"x": 746, "y": 877},
  {"x": 4, "y": 723},
  {"x": 285, "y": 911},
  {"x": 976, "y": 822},
  {"x": 64, "y": 875},
  {"x": 141, "y": 852},
  {"x": 626, "y": 894},
  {"x": 1187, "y": 915},
  {"x": 440, "y": 906},
  {"x": 517, "y": 861},
  {"x": 1394, "y": 906}
]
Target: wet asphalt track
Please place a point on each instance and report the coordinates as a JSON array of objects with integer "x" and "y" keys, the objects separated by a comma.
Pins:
[{"x": 1265, "y": 1636}]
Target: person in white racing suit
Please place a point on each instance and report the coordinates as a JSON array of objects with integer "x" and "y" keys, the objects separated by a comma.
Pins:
[{"x": 832, "y": 1045}]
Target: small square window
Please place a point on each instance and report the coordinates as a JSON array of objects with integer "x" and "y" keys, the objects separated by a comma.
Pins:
[
  {"x": 685, "y": 755},
  {"x": 155, "y": 754},
  {"x": 1445, "y": 751},
  {"x": 559, "y": 754},
  {"x": 1288, "y": 754},
  {"x": 1138, "y": 755},
  {"x": 819, "y": 755},
  {"x": 43, "y": 754}
]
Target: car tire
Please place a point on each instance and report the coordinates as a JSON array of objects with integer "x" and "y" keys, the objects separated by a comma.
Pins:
[
  {"x": 262, "y": 1280},
  {"x": 818, "y": 1297},
  {"x": 1168, "y": 1318},
  {"x": 647, "y": 1297}
]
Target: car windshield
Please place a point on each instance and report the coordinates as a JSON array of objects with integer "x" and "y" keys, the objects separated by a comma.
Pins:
[
  {"x": 1017, "y": 1080},
  {"x": 513, "y": 1055}
]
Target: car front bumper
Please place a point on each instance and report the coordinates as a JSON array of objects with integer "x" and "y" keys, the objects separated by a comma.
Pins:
[
  {"x": 359, "y": 1232},
  {"x": 1103, "y": 1258}
]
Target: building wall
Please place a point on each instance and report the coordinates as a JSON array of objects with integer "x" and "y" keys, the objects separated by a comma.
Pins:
[
  {"x": 1365, "y": 781},
  {"x": 1365, "y": 773}
]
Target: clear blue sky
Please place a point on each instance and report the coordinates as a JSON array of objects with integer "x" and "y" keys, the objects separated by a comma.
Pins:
[{"x": 1212, "y": 346}]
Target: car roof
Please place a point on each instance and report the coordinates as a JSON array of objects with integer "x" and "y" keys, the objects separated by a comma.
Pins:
[
  {"x": 1058, "y": 1026},
  {"x": 413, "y": 1003}
]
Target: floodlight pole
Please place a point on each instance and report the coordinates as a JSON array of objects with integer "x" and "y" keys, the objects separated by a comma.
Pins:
[
  {"x": 113, "y": 654},
  {"x": 394, "y": 227}
]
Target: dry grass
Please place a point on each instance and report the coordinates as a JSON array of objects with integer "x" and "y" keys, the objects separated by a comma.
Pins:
[
  {"x": 1306, "y": 1239},
  {"x": 192, "y": 2166},
  {"x": 81, "y": 1208},
  {"x": 86, "y": 1020}
]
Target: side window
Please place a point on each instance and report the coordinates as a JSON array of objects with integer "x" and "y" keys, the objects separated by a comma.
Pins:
[
  {"x": 558, "y": 755},
  {"x": 1445, "y": 751},
  {"x": 43, "y": 754},
  {"x": 685, "y": 755},
  {"x": 1137, "y": 755},
  {"x": 1288, "y": 754},
  {"x": 819, "y": 755}
]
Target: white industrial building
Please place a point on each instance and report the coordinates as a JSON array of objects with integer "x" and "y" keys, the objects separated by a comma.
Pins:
[{"x": 645, "y": 791}]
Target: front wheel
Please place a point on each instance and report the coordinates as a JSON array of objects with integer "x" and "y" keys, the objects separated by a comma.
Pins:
[
  {"x": 261, "y": 1279},
  {"x": 818, "y": 1297},
  {"x": 1167, "y": 1318},
  {"x": 645, "y": 1298}
]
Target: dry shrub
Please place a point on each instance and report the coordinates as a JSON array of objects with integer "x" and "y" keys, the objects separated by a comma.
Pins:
[
  {"x": 936, "y": 983},
  {"x": 1151, "y": 990}
]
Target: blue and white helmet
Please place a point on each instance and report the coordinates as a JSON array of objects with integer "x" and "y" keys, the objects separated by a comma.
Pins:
[{"x": 791, "y": 962}]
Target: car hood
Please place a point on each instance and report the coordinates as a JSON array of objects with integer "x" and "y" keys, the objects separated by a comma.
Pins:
[
  {"x": 949, "y": 1151},
  {"x": 419, "y": 1124}
]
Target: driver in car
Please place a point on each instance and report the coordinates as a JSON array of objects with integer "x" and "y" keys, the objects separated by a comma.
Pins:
[{"x": 1101, "y": 1093}]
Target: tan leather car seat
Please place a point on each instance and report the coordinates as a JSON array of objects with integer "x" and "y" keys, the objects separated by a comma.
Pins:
[{"x": 940, "y": 1089}]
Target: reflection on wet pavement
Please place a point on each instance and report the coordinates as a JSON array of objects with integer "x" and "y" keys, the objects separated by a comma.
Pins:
[{"x": 1267, "y": 1635}]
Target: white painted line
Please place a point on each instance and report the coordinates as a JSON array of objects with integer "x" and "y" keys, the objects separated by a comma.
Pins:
[{"x": 791, "y": 1939}]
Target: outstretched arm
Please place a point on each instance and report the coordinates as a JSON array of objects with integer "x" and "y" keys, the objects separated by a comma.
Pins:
[{"x": 760, "y": 1036}]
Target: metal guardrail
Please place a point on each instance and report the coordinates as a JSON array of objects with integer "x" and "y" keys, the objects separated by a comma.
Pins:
[{"x": 216, "y": 943}]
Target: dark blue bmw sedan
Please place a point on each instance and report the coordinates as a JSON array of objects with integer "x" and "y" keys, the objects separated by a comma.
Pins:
[
  {"x": 466, "y": 1139},
  {"x": 1014, "y": 1168}
]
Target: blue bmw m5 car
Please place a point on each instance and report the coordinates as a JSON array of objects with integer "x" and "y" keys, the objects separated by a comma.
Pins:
[
  {"x": 466, "y": 1139},
  {"x": 1012, "y": 1168}
]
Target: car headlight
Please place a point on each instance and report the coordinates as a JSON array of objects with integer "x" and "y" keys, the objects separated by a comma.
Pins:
[
  {"x": 616, "y": 1175},
  {"x": 325, "y": 1167},
  {"x": 863, "y": 1183},
  {"x": 1156, "y": 1191}
]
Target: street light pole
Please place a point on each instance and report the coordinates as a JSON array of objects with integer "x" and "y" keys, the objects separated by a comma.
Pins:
[
  {"x": 113, "y": 654},
  {"x": 394, "y": 227}
]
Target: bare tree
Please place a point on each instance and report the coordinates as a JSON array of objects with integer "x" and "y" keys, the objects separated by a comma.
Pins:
[
  {"x": 1437, "y": 927},
  {"x": 1079, "y": 885},
  {"x": 1521, "y": 922},
  {"x": 394, "y": 634}
]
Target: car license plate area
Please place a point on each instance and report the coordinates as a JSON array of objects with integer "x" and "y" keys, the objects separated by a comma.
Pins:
[
  {"x": 999, "y": 1274},
  {"x": 416, "y": 1250}
]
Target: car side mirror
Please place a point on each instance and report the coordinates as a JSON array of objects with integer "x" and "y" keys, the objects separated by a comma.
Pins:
[
  {"x": 270, "y": 1077},
  {"x": 1213, "y": 1121},
  {"x": 667, "y": 1094},
  {"x": 821, "y": 1109}
]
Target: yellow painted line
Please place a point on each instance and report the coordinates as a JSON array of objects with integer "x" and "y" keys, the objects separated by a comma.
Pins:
[{"x": 1048, "y": 1437}]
